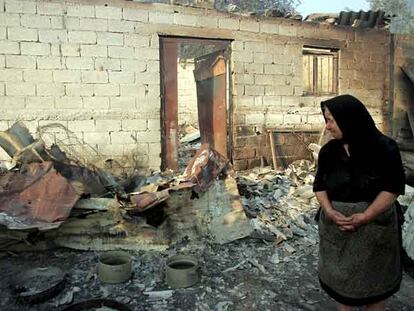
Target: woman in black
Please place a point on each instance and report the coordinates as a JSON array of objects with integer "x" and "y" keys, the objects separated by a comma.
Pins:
[{"x": 358, "y": 180}]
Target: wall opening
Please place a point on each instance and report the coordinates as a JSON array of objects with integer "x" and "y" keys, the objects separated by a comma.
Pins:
[{"x": 194, "y": 87}]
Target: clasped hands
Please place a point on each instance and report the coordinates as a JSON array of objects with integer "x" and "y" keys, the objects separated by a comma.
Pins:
[{"x": 345, "y": 223}]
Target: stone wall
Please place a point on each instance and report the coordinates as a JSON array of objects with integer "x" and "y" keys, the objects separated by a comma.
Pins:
[{"x": 94, "y": 67}]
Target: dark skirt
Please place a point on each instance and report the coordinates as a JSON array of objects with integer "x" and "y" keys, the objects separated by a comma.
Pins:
[{"x": 361, "y": 267}]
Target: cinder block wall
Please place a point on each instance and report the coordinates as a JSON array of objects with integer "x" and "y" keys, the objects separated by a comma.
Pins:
[
  {"x": 403, "y": 90},
  {"x": 187, "y": 95},
  {"x": 93, "y": 66}
]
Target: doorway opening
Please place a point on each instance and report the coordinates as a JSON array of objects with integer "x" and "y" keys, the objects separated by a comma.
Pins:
[{"x": 195, "y": 93}]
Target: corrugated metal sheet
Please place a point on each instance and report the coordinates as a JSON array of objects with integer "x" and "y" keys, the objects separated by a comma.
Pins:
[{"x": 362, "y": 19}]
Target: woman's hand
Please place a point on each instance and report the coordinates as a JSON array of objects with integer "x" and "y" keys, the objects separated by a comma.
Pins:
[
  {"x": 341, "y": 220},
  {"x": 359, "y": 219}
]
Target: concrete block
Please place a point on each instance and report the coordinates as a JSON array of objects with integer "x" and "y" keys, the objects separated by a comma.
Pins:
[
  {"x": 283, "y": 59},
  {"x": 57, "y": 22},
  {"x": 137, "y": 15},
  {"x": 3, "y": 33},
  {"x": 121, "y": 52},
  {"x": 11, "y": 75},
  {"x": 243, "y": 56},
  {"x": 2, "y": 89},
  {"x": 155, "y": 41},
  {"x": 71, "y": 76},
  {"x": 121, "y": 26},
  {"x": 110, "y": 150},
  {"x": 50, "y": 62},
  {"x": 237, "y": 45},
  {"x": 274, "y": 119},
  {"x": 109, "y": 12},
  {"x": 244, "y": 101},
  {"x": 263, "y": 79},
  {"x": 185, "y": 19},
  {"x": 107, "y": 64},
  {"x": 35, "y": 21},
  {"x": 161, "y": 17},
  {"x": 94, "y": 76},
  {"x": 84, "y": 63},
  {"x": 121, "y": 77},
  {"x": 50, "y": 89},
  {"x": 21, "y": 34},
  {"x": 133, "y": 65},
  {"x": 80, "y": 10},
  {"x": 2, "y": 61},
  {"x": 9, "y": 20},
  {"x": 147, "y": 78},
  {"x": 96, "y": 103},
  {"x": 153, "y": 66},
  {"x": 263, "y": 58},
  {"x": 20, "y": 89},
  {"x": 86, "y": 37},
  {"x": 107, "y": 125},
  {"x": 137, "y": 40},
  {"x": 9, "y": 47},
  {"x": 93, "y": 24},
  {"x": 255, "y": 118},
  {"x": 72, "y": 23},
  {"x": 122, "y": 102},
  {"x": 19, "y": 61},
  {"x": 131, "y": 90},
  {"x": 249, "y": 25},
  {"x": 106, "y": 90},
  {"x": 53, "y": 36},
  {"x": 48, "y": 8},
  {"x": 290, "y": 31},
  {"x": 12, "y": 102},
  {"x": 69, "y": 49},
  {"x": 272, "y": 101},
  {"x": 207, "y": 21},
  {"x": 254, "y": 68},
  {"x": 68, "y": 102},
  {"x": 277, "y": 69},
  {"x": 286, "y": 90},
  {"x": 147, "y": 53},
  {"x": 154, "y": 149},
  {"x": 87, "y": 126},
  {"x": 148, "y": 106},
  {"x": 93, "y": 51},
  {"x": 123, "y": 137},
  {"x": 149, "y": 136},
  {"x": 269, "y": 28},
  {"x": 243, "y": 79},
  {"x": 34, "y": 48},
  {"x": 254, "y": 90},
  {"x": 255, "y": 46},
  {"x": 16, "y": 6},
  {"x": 37, "y": 75},
  {"x": 75, "y": 89},
  {"x": 154, "y": 124},
  {"x": 46, "y": 102},
  {"x": 229, "y": 23},
  {"x": 108, "y": 38},
  {"x": 134, "y": 125},
  {"x": 96, "y": 138}
]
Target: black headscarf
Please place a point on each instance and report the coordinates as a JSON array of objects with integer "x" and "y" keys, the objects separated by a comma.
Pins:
[{"x": 352, "y": 117}]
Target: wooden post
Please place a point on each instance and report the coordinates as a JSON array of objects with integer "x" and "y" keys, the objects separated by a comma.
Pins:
[{"x": 272, "y": 148}]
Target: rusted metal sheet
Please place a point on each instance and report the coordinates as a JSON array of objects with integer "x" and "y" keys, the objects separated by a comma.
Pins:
[
  {"x": 169, "y": 106},
  {"x": 210, "y": 75},
  {"x": 145, "y": 201},
  {"x": 35, "y": 197},
  {"x": 204, "y": 167}
]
